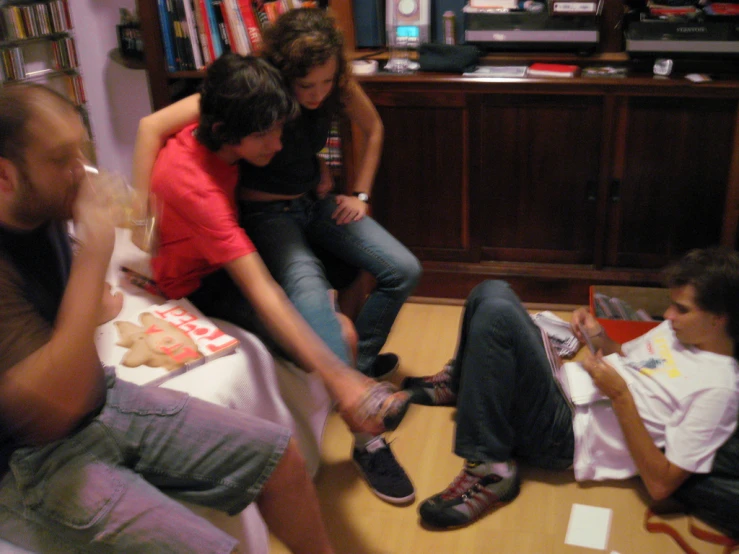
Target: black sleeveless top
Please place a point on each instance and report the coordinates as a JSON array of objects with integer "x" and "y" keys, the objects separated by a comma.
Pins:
[{"x": 295, "y": 168}]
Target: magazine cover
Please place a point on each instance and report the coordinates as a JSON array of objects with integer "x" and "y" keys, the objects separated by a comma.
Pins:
[{"x": 161, "y": 341}]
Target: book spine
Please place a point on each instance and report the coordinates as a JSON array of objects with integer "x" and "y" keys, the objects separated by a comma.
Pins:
[
  {"x": 252, "y": 25},
  {"x": 167, "y": 37},
  {"x": 193, "y": 35},
  {"x": 237, "y": 28},
  {"x": 201, "y": 22},
  {"x": 262, "y": 17},
  {"x": 182, "y": 38},
  {"x": 221, "y": 25},
  {"x": 213, "y": 33}
]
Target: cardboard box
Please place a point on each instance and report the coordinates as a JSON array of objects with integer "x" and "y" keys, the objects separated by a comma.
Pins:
[{"x": 652, "y": 300}]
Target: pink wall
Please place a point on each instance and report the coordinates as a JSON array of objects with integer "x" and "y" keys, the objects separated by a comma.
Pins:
[{"x": 117, "y": 97}]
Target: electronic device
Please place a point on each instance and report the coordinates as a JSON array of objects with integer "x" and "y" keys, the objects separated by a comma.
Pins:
[
  {"x": 702, "y": 38},
  {"x": 522, "y": 31},
  {"x": 407, "y": 22}
]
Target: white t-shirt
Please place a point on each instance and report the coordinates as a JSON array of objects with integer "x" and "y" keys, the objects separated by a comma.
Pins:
[{"x": 687, "y": 398}]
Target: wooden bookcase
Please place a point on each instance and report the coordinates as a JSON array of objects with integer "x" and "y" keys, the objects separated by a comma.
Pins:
[{"x": 551, "y": 184}]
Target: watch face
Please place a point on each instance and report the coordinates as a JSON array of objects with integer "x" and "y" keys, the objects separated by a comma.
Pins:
[{"x": 363, "y": 196}]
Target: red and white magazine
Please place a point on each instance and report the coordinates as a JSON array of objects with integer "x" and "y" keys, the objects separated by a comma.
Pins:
[{"x": 152, "y": 345}]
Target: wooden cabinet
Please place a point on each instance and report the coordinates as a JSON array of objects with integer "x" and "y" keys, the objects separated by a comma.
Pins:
[{"x": 551, "y": 185}]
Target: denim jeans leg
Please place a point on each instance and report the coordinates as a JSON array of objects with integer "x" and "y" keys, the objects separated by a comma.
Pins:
[
  {"x": 367, "y": 245},
  {"x": 508, "y": 403},
  {"x": 282, "y": 244}
]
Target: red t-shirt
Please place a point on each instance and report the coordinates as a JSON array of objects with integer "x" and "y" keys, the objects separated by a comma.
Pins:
[{"x": 198, "y": 226}]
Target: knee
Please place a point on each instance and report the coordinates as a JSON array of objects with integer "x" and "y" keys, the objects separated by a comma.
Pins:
[
  {"x": 289, "y": 472},
  {"x": 408, "y": 271},
  {"x": 349, "y": 334},
  {"x": 488, "y": 290}
]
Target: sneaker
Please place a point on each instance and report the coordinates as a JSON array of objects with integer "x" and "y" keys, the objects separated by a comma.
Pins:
[
  {"x": 467, "y": 498},
  {"x": 385, "y": 365},
  {"x": 433, "y": 390},
  {"x": 383, "y": 473}
]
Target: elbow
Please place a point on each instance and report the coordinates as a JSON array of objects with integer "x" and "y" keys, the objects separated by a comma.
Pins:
[{"x": 660, "y": 489}]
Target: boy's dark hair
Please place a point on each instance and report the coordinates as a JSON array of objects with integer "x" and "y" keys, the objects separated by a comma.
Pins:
[
  {"x": 16, "y": 109},
  {"x": 714, "y": 273},
  {"x": 302, "y": 39},
  {"x": 241, "y": 95}
]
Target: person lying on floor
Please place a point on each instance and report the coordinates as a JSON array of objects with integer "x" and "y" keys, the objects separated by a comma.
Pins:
[{"x": 661, "y": 405}]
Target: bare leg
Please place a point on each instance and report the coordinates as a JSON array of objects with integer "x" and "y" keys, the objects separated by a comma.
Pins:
[{"x": 289, "y": 505}]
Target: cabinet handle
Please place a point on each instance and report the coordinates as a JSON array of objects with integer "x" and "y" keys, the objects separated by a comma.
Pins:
[
  {"x": 615, "y": 190},
  {"x": 592, "y": 190}
]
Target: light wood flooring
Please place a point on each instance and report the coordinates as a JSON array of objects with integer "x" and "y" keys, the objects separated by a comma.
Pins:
[{"x": 424, "y": 337}]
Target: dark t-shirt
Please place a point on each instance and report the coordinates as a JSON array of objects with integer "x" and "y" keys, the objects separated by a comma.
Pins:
[
  {"x": 295, "y": 168},
  {"x": 34, "y": 268}
]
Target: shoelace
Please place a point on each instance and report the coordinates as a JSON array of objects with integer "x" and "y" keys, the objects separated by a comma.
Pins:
[
  {"x": 461, "y": 484},
  {"x": 384, "y": 462}
]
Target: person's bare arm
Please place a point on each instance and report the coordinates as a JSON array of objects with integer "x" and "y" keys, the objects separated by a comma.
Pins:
[
  {"x": 660, "y": 476},
  {"x": 44, "y": 396},
  {"x": 364, "y": 116},
  {"x": 153, "y": 132},
  {"x": 282, "y": 320}
]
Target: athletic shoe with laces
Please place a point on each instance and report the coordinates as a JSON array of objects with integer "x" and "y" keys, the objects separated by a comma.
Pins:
[
  {"x": 433, "y": 390},
  {"x": 385, "y": 365},
  {"x": 468, "y": 497},
  {"x": 378, "y": 466}
]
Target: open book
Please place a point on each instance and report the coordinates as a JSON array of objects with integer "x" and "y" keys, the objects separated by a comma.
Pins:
[
  {"x": 579, "y": 387},
  {"x": 161, "y": 341}
]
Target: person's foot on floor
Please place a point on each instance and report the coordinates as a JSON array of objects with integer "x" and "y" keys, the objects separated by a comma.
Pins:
[
  {"x": 387, "y": 479},
  {"x": 433, "y": 390},
  {"x": 472, "y": 493}
]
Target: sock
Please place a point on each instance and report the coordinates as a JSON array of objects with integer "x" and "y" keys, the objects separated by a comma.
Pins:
[
  {"x": 503, "y": 469},
  {"x": 361, "y": 440}
]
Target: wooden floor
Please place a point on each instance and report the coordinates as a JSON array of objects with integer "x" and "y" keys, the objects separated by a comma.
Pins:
[{"x": 424, "y": 337}]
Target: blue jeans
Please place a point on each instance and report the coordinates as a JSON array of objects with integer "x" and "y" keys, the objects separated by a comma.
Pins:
[
  {"x": 285, "y": 234},
  {"x": 110, "y": 485},
  {"x": 508, "y": 404}
]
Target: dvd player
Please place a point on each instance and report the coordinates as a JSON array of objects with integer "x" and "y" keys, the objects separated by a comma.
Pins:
[
  {"x": 531, "y": 31},
  {"x": 682, "y": 38}
]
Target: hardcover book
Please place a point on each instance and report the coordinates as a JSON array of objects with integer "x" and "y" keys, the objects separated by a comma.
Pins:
[
  {"x": 552, "y": 70},
  {"x": 153, "y": 345}
]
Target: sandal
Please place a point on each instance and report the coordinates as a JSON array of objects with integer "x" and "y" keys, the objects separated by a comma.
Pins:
[{"x": 382, "y": 404}]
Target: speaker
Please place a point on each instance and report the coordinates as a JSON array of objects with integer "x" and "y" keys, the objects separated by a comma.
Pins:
[
  {"x": 437, "y": 26},
  {"x": 369, "y": 23}
]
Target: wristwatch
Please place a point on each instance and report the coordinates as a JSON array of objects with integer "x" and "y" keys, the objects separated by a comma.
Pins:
[{"x": 363, "y": 196}]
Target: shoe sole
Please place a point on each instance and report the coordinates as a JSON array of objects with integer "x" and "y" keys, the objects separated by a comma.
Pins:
[{"x": 389, "y": 499}]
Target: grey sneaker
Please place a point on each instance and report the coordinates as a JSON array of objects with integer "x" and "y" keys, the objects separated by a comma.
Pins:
[
  {"x": 467, "y": 498},
  {"x": 383, "y": 473}
]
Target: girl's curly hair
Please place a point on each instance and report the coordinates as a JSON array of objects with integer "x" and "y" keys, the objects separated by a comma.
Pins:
[{"x": 302, "y": 39}]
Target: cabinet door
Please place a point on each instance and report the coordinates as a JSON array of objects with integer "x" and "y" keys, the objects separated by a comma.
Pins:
[
  {"x": 420, "y": 193},
  {"x": 669, "y": 178},
  {"x": 535, "y": 176}
]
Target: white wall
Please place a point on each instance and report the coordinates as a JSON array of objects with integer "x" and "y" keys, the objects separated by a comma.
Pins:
[{"x": 117, "y": 97}]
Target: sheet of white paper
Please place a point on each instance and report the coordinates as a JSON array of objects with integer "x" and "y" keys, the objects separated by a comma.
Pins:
[{"x": 589, "y": 526}]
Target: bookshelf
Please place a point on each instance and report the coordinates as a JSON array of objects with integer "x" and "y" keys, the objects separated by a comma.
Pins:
[{"x": 37, "y": 44}]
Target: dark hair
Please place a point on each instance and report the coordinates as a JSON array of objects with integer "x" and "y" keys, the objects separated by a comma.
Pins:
[
  {"x": 241, "y": 95},
  {"x": 17, "y": 107},
  {"x": 305, "y": 38},
  {"x": 714, "y": 273}
]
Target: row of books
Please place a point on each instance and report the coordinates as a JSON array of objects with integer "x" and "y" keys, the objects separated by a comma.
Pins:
[
  {"x": 612, "y": 307},
  {"x": 18, "y": 22},
  {"x": 56, "y": 55},
  {"x": 196, "y": 32}
]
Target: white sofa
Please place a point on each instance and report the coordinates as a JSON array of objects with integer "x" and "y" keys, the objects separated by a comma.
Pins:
[{"x": 250, "y": 380}]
